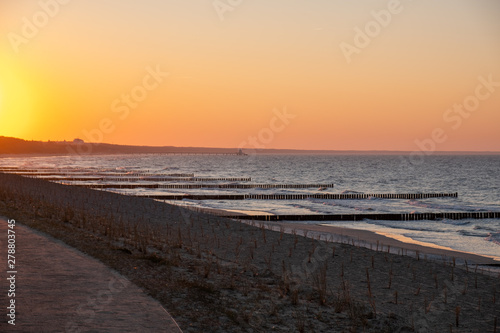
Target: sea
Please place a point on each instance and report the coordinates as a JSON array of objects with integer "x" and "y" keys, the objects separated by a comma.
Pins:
[{"x": 476, "y": 179}]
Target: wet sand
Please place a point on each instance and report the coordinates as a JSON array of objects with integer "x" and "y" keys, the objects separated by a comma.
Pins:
[{"x": 370, "y": 239}]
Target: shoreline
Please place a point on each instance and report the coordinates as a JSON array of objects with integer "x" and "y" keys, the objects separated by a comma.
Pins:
[
  {"x": 214, "y": 274},
  {"x": 371, "y": 238}
]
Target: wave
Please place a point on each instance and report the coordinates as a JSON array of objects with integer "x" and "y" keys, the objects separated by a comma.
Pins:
[
  {"x": 310, "y": 208},
  {"x": 341, "y": 203},
  {"x": 414, "y": 226},
  {"x": 472, "y": 234},
  {"x": 480, "y": 227},
  {"x": 350, "y": 192},
  {"x": 455, "y": 222},
  {"x": 429, "y": 205},
  {"x": 494, "y": 237}
]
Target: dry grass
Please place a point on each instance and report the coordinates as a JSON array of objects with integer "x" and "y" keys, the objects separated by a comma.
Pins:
[{"x": 216, "y": 275}]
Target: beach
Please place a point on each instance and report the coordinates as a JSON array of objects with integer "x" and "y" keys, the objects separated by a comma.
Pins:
[
  {"x": 250, "y": 166},
  {"x": 421, "y": 204},
  {"x": 387, "y": 242},
  {"x": 217, "y": 275}
]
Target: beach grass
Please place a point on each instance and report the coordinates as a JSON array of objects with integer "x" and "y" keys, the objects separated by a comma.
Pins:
[{"x": 218, "y": 275}]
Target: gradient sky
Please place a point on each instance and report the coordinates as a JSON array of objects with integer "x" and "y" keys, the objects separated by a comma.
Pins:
[{"x": 229, "y": 72}]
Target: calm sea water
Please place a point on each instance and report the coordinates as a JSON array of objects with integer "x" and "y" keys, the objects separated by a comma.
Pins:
[{"x": 475, "y": 178}]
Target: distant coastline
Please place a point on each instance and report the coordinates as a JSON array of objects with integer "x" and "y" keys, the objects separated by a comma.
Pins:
[{"x": 14, "y": 147}]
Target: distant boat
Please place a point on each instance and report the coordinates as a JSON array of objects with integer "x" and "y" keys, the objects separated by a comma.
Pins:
[{"x": 241, "y": 153}]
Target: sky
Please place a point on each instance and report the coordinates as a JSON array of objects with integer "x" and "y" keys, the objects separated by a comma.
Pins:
[{"x": 318, "y": 74}]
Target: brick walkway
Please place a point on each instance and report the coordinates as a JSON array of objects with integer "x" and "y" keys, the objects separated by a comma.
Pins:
[{"x": 59, "y": 289}]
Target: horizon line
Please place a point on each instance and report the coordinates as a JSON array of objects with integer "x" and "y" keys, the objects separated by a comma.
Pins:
[{"x": 271, "y": 149}]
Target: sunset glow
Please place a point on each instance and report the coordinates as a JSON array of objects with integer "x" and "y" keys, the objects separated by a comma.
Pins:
[{"x": 382, "y": 75}]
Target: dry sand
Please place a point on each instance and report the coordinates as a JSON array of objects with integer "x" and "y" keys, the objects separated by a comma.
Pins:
[
  {"x": 391, "y": 243},
  {"x": 217, "y": 275}
]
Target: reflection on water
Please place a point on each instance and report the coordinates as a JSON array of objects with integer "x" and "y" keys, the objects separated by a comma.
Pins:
[{"x": 475, "y": 178}]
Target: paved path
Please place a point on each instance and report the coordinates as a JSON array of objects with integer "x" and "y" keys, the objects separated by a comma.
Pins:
[{"x": 59, "y": 289}]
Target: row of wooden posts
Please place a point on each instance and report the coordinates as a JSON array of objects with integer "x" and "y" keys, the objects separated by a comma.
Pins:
[
  {"x": 156, "y": 179},
  {"x": 323, "y": 196},
  {"x": 199, "y": 186},
  {"x": 104, "y": 174},
  {"x": 147, "y": 175},
  {"x": 72, "y": 170},
  {"x": 360, "y": 217}
]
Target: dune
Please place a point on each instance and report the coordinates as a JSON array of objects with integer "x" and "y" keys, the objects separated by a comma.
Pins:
[{"x": 215, "y": 274}]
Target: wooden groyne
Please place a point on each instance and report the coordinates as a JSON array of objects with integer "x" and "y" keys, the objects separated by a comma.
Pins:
[
  {"x": 103, "y": 174},
  {"x": 84, "y": 175},
  {"x": 199, "y": 186},
  {"x": 51, "y": 170},
  {"x": 156, "y": 179},
  {"x": 323, "y": 196},
  {"x": 75, "y": 170},
  {"x": 361, "y": 217}
]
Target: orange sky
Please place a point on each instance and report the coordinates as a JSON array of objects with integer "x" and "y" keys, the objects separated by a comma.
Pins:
[{"x": 67, "y": 67}]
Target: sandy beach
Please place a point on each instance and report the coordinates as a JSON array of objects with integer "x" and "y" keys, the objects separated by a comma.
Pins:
[
  {"x": 250, "y": 166},
  {"x": 387, "y": 242},
  {"x": 218, "y": 275}
]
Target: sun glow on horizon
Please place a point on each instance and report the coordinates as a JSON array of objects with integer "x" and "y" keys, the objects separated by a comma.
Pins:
[
  {"x": 17, "y": 111},
  {"x": 226, "y": 76}
]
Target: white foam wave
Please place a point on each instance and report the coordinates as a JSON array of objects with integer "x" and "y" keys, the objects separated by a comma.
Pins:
[
  {"x": 414, "y": 226},
  {"x": 343, "y": 204},
  {"x": 472, "y": 234},
  {"x": 480, "y": 227},
  {"x": 437, "y": 206},
  {"x": 494, "y": 237},
  {"x": 455, "y": 222}
]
